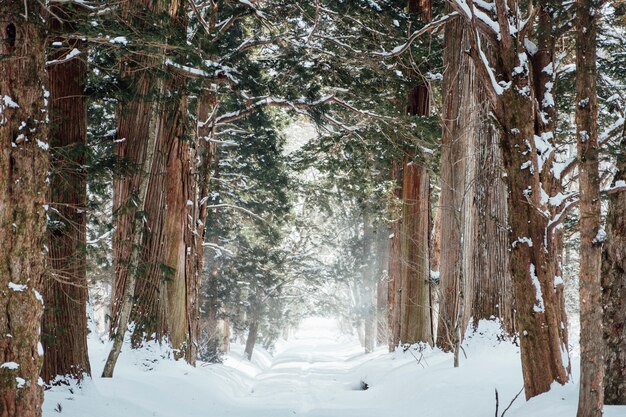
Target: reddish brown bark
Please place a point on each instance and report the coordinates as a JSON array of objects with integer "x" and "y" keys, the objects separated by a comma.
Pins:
[
  {"x": 591, "y": 398},
  {"x": 614, "y": 290},
  {"x": 23, "y": 173},
  {"x": 415, "y": 306},
  {"x": 64, "y": 327},
  {"x": 395, "y": 262},
  {"x": 474, "y": 276},
  {"x": 168, "y": 271},
  {"x": 524, "y": 111},
  {"x": 459, "y": 123}
]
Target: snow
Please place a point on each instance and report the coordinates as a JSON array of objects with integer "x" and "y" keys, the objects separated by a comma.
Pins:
[
  {"x": 8, "y": 102},
  {"x": 70, "y": 55},
  {"x": 317, "y": 373},
  {"x": 521, "y": 240},
  {"x": 17, "y": 287},
  {"x": 43, "y": 145},
  {"x": 10, "y": 365},
  {"x": 539, "y": 307},
  {"x": 600, "y": 236},
  {"x": 121, "y": 40}
]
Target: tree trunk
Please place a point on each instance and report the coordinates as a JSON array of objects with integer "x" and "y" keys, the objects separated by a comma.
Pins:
[
  {"x": 167, "y": 279},
  {"x": 459, "y": 126},
  {"x": 492, "y": 287},
  {"x": 254, "y": 321},
  {"x": 614, "y": 289},
  {"x": 533, "y": 259},
  {"x": 64, "y": 326},
  {"x": 474, "y": 277},
  {"x": 395, "y": 262},
  {"x": 23, "y": 188},
  {"x": 591, "y": 398},
  {"x": 135, "y": 130},
  {"x": 163, "y": 284},
  {"x": 415, "y": 307}
]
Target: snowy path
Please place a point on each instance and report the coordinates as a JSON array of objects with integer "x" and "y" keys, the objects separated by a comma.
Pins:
[{"x": 316, "y": 374}]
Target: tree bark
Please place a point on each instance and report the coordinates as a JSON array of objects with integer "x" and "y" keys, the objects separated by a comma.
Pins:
[
  {"x": 459, "y": 125},
  {"x": 415, "y": 307},
  {"x": 64, "y": 326},
  {"x": 614, "y": 290},
  {"x": 395, "y": 262},
  {"x": 135, "y": 131},
  {"x": 23, "y": 188},
  {"x": 519, "y": 85},
  {"x": 166, "y": 303},
  {"x": 164, "y": 282},
  {"x": 591, "y": 398},
  {"x": 474, "y": 277},
  {"x": 254, "y": 321}
]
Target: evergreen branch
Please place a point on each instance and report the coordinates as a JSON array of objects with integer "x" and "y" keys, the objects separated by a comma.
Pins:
[{"x": 398, "y": 50}]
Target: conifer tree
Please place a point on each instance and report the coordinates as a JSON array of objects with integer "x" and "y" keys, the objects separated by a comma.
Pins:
[{"x": 23, "y": 189}]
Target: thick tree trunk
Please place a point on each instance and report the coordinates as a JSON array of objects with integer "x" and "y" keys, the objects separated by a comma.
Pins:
[
  {"x": 162, "y": 286},
  {"x": 167, "y": 278},
  {"x": 135, "y": 130},
  {"x": 534, "y": 257},
  {"x": 474, "y": 276},
  {"x": 459, "y": 125},
  {"x": 415, "y": 306},
  {"x": 591, "y": 398},
  {"x": 23, "y": 187},
  {"x": 614, "y": 289},
  {"x": 64, "y": 327},
  {"x": 519, "y": 85},
  {"x": 492, "y": 286}
]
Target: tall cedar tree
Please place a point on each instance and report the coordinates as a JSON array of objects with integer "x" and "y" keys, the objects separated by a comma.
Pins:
[
  {"x": 23, "y": 188},
  {"x": 591, "y": 398},
  {"x": 614, "y": 287},
  {"x": 64, "y": 328},
  {"x": 519, "y": 91},
  {"x": 410, "y": 313},
  {"x": 474, "y": 276},
  {"x": 614, "y": 249}
]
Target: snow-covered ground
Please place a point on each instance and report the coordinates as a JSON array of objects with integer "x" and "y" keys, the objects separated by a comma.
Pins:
[{"x": 319, "y": 373}]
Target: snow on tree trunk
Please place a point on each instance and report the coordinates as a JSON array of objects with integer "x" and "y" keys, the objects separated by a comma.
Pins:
[
  {"x": 23, "y": 188},
  {"x": 64, "y": 327}
]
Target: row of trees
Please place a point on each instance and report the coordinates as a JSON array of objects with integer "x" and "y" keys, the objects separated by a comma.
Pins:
[
  {"x": 532, "y": 142},
  {"x": 174, "y": 109}
]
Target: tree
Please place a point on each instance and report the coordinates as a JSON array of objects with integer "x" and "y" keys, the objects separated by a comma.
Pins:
[
  {"x": 23, "y": 189},
  {"x": 614, "y": 287},
  {"x": 153, "y": 270},
  {"x": 64, "y": 326},
  {"x": 474, "y": 276},
  {"x": 409, "y": 291},
  {"x": 525, "y": 111},
  {"x": 591, "y": 398}
]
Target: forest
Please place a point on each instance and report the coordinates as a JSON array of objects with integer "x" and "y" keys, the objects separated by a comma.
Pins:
[{"x": 327, "y": 208}]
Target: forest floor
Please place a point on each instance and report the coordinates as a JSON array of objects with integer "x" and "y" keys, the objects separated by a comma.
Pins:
[{"x": 317, "y": 373}]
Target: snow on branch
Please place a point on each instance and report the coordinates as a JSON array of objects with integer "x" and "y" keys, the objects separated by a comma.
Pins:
[
  {"x": 301, "y": 106},
  {"x": 398, "y": 50},
  {"x": 70, "y": 55}
]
